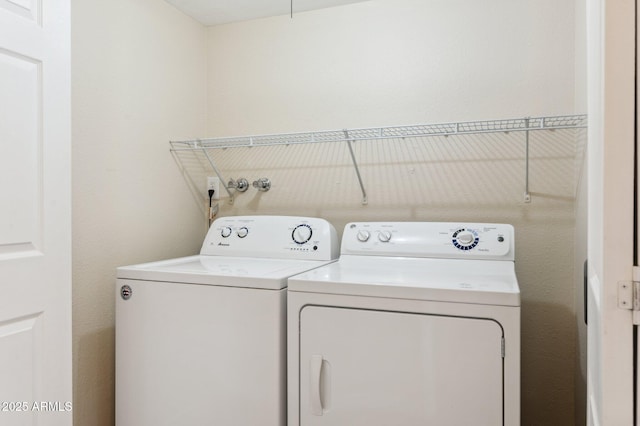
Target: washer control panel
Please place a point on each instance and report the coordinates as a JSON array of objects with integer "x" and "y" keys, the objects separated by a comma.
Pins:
[
  {"x": 280, "y": 237},
  {"x": 430, "y": 239}
]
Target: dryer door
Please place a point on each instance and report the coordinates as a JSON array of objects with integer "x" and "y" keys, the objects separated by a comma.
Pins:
[{"x": 375, "y": 368}]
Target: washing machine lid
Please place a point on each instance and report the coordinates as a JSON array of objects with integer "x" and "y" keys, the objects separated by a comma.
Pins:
[
  {"x": 444, "y": 280},
  {"x": 221, "y": 270}
]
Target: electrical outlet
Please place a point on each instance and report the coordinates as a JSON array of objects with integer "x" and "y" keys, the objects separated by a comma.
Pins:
[{"x": 213, "y": 182}]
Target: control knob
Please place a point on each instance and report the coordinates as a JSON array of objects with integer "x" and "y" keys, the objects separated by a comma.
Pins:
[
  {"x": 465, "y": 239},
  {"x": 301, "y": 234},
  {"x": 225, "y": 232},
  {"x": 242, "y": 232},
  {"x": 384, "y": 236},
  {"x": 363, "y": 236}
]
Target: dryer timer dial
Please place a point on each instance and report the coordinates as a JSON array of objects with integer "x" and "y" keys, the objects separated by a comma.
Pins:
[{"x": 465, "y": 239}]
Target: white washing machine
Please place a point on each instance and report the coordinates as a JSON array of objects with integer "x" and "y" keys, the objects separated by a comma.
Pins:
[
  {"x": 201, "y": 340},
  {"x": 416, "y": 324}
]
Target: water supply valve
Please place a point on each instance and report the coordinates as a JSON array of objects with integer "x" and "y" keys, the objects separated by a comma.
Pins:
[
  {"x": 262, "y": 184},
  {"x": 239, "y": 185}
]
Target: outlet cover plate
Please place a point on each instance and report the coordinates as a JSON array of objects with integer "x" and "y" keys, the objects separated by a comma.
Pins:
[{"x": 213, "y": 182}]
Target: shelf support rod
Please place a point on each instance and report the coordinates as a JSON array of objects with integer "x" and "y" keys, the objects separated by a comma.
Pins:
[
  {"x": 355, "y": 165},
  {"x": 527, "y": 195},
  {"x": 217, "y": 172}
]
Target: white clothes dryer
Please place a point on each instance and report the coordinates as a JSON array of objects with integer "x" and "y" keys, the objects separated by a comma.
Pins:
[
  {"x": 201, "y": 340},
  {"x": 416, "y": 324}
]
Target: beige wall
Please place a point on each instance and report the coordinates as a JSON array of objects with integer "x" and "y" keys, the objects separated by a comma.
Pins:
[
  {"x": 580, "y": 257},
  {"x": 388, "y": 62},
  {"x": 580, "y": 240},
  {"x": 138, "y": 72},
  {"x": 140, "y": 78}
]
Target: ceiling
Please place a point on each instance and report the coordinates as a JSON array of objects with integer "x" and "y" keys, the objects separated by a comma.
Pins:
[{"x": 216, "y": 12}]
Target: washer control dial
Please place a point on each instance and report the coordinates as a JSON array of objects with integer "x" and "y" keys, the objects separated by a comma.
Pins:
[
  {"x": 465, "y": 239},
  {"x": 363, "y": 236},
  {"x": 301, "y": 233},
  {"x": 226, "y": 232},
  {"x": 243, "y": 232},
  {"x": 384, "y": 236}
]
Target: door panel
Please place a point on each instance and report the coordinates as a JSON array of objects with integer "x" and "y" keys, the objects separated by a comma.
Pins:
[
  {"x": 29, "y": 9},
  {"x": 372, "y": 368},
  {"x": 21, "y": 155},
  {"x": 35, "y": 218},
  {"x": 19, "y": 348}
]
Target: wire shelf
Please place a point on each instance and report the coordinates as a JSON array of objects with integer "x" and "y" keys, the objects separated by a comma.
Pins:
[
  {"x": 411, "y": 131},
  {"x": 348, "y": 136}
]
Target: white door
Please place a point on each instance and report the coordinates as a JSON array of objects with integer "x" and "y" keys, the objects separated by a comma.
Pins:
[
  {"x": 35, "y": 213},
  {"x": 611, "y": 91},
  {"x": 357, "y": 369}
]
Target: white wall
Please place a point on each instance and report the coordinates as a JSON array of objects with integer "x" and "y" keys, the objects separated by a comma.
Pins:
[
  {"x": 391, "y": 62},
  {"x": 580, "y": 240},
  {"x": 140, "y": 78},
  {"x": 138, "y": 72},
  {"x": 388, "y": 62}
]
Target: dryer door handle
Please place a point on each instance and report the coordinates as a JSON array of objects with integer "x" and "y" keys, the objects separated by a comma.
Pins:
[{"x": 315, "y": 383}]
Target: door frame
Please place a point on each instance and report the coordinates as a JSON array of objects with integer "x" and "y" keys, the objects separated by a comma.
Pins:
[{"x": 611, "y": 107}]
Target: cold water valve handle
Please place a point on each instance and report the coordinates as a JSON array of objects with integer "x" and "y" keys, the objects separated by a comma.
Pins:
[{"x": 262, "y": 184}]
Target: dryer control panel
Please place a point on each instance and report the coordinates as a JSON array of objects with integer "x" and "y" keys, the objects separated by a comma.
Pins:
[
  {"x": 276, "y": 237},
  {"x": 450, "y": 240}
]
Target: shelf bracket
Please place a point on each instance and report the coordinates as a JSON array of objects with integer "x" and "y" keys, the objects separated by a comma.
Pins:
[
  {"x": 527, "y": 194},
  {"x": 217, "y": 172},
  {"x": 365, "y": 200}
]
